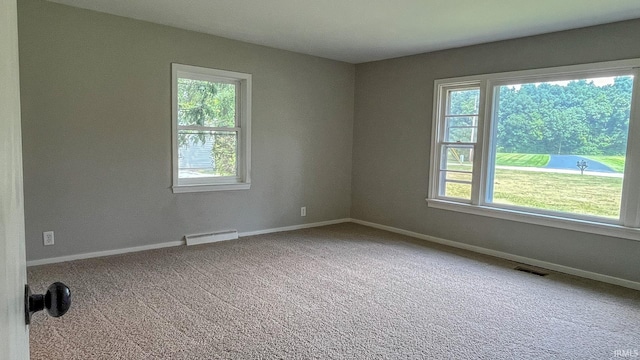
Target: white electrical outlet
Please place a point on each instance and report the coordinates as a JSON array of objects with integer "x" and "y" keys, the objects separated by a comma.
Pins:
[
  {"x": 47, "y": 237},
  {"x": 303, "y": 211}
]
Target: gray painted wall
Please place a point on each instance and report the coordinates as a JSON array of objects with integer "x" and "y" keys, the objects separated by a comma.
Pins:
[
  {"x": 392, "y": 132},
  {"x": 97, "y": 133}
]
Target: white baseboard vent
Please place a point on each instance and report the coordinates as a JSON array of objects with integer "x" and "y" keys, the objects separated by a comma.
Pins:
[{"x": 197, "y": 239}]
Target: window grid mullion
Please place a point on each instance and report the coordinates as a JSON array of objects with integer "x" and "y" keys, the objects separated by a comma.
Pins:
[
  {"x": 458, "y": 181},
  {"x": 460, "y": 116},
  {"x": 458, "y": 144},
  {"x": 458, "y": 171},
  {"x": 207, "y": 128}
]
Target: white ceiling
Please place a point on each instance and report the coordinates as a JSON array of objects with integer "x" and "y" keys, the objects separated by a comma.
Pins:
[{"x": 365, "y": 30}]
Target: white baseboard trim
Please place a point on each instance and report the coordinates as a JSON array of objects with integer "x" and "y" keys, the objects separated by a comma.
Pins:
[
  {"x": 294, "y": 227},
  {"x": 517, "y": 258},
  {"x": 103, "y": 253},
  {"x": 521, "y": 259},
  {"x": 173, "y": 243}
]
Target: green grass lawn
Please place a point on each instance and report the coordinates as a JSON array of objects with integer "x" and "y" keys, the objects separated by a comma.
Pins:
[
  {"x": 580, "y": 194},
  {"x": 527, "y": 160},
  {"x": 614, "y": 162}
]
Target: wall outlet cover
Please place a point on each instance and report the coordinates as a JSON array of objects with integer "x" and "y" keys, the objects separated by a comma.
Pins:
[{"x": 48, "y": 238}]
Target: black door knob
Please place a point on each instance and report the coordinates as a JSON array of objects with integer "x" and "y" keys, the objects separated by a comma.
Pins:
[{"x": 57, "y": 300}]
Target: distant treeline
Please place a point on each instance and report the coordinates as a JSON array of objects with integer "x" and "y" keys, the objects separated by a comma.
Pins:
[{"x": 577, "y": 118}]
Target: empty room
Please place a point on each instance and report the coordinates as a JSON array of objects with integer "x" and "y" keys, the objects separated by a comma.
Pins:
[{"x": 320, "y": 179}]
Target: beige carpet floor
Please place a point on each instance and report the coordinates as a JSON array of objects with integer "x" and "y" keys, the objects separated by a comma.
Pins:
[{"x": 336, "y": 292}]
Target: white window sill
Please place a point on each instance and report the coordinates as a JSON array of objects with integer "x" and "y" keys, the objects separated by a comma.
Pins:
[
  {"x": 202, "y": 188},
  {"x": 585, "y": 226}
]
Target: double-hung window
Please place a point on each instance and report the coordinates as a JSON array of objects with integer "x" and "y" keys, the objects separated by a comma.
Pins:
[
  {"x": 457, "y": 141},
  {"x": 211, "y": 129},
  {"x": 557, "y": 147}
]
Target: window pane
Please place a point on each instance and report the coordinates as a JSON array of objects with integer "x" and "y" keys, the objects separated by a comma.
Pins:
[
  {"x": 456, "y": 190},
  {"x": 458, "y": 176},
  {"x": 561, "y": 145},
  {"x": 463, "y": 102},
  {"x": 457, "y": 158},
  {"x": 206, "y": 103},
  {"x": 207, "y": 154},
  {"x": 461, "y": 129},
  {"x": 570, "y": 193}
]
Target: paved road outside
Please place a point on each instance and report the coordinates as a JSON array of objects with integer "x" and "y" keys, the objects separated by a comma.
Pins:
[
  {"x": 568, "y": 162},
  {"x": 575, "y": 171}
]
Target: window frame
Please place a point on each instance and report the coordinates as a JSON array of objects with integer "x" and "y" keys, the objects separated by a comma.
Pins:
[
  {"x": 628, "y": 224},
  {"x": 242, "y": 127},
  {"x": 441, "y": 143}
]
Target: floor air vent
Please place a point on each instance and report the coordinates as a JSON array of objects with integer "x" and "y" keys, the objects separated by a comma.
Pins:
[
  {"x": 531, "y": 270},
  {"x": 198, "y": 239}
]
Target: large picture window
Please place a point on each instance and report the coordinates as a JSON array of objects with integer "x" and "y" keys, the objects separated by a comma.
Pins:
[
  {"x": 552, "y": 146},
  {"x": 211, "y": 129}
]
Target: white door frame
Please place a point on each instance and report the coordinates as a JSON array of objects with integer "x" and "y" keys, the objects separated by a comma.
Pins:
[{"x": 14, "y": 334}]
